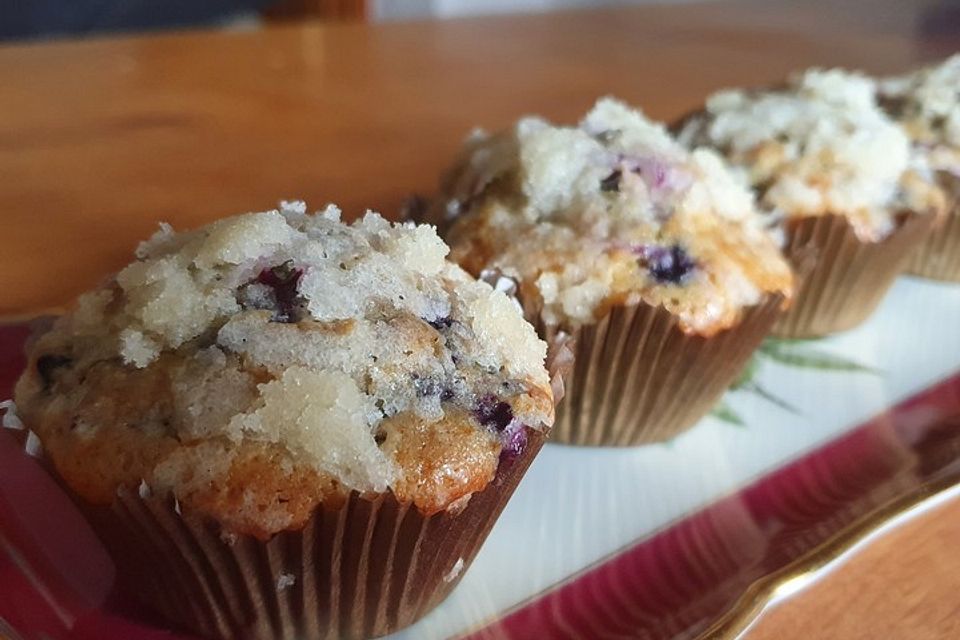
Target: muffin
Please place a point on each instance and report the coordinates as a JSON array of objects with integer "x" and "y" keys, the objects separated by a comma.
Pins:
[
  {"x": 652, "y": 259},
  {"x": 927, "y": 104},
  {"x": 282, "y": 425},
  {"x": 836, "y": 174}
]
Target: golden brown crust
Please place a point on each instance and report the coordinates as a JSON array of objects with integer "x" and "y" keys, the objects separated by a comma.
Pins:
[
  {"x": 334, "y": 327},
  {"x": 97, "y": 447},
  {"x": 538, "y": 400},
  {"x": 93, "y": 440},
  {"x": 440, "y": 462},
  {"x": 261, "y": 489}
]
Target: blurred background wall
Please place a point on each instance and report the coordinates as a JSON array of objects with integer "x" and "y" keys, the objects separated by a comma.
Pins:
[
  {"x": 38, "y": 19},
  {"x": 32, "y": 19},
  {"x": 405, "y": 9}
]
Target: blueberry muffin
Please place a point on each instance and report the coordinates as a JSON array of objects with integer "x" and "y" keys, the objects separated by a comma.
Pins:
[
  {"x": 283, "y": 425},
  {"x": 835, "y": 173},
  {"x": 654, "y": 259},
  {"x": 927, "y": 104}
]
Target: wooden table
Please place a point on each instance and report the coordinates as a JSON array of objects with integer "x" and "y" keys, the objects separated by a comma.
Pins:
[
  {"x": 100, "y": 140},
  {"x": 905, "y": 585}
]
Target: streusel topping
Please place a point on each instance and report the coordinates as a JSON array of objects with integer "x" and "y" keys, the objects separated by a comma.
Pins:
[
  {"x": 927, "y": 104},
  {"x": 342, "y": 353},
  {"x": 610, "y": 212},
  {"x": 820, "y": 145}
]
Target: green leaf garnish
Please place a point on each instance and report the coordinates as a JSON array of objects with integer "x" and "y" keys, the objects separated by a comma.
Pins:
[
  {"x": 753, "y": 387},
  {"x": 747, "y": 375},
  {"x": 790, "y": 354},
  {"x": 724, "y": 412}
]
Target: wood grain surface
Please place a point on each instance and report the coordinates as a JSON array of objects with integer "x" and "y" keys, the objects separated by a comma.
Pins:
[
  {"x": 102, "y": 139},
  {"x": 904, "y": 585}
]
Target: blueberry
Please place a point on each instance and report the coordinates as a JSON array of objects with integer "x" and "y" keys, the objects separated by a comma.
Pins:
[
  {"x": 283, "y": 279},
  {"x": 48, "y": 365},
  {"x": 493, "y": 412},
  {"x": 608, "y": 136},
  {"x": 514, "y": 443},
  {"x": 611, "y": 182},
  {"x": 441, "y": 323},
  {"x": 671, "y": 264}
]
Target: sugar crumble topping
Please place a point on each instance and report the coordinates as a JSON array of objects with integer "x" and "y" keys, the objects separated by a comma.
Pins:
[
  {"x": 819, "y": 145},
  {"x": 927, "y": 103},
  {"x": 294, "y": 333},
  {"x": 610, "y": 212}
]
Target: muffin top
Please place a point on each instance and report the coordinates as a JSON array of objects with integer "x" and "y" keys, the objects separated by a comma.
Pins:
[
  {"x": 927, "y": 104},
  {"x": 611, "y": 212},
  {"x": 819, "y": 145},
  {"x": 269, "y": 362}
]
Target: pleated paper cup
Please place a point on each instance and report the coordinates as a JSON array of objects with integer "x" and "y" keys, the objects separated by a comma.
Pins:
[
  {"x": 637, "y": 378},
  {"x": 938, "y": 257},
  {"x": 361, "y": 569},
  {"x": 843, "y": 278}
]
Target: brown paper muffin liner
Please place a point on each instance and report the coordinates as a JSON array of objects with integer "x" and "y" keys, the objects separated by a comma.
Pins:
[
  {"x": 637, "y": 378},
  {"x": 938, "y": 257},
  {"x": 843, "y": 279},
  {"x": 366, "y": 568}
]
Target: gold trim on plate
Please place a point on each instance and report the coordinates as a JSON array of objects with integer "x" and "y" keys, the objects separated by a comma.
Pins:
[{"x": 807, "y": 569}]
